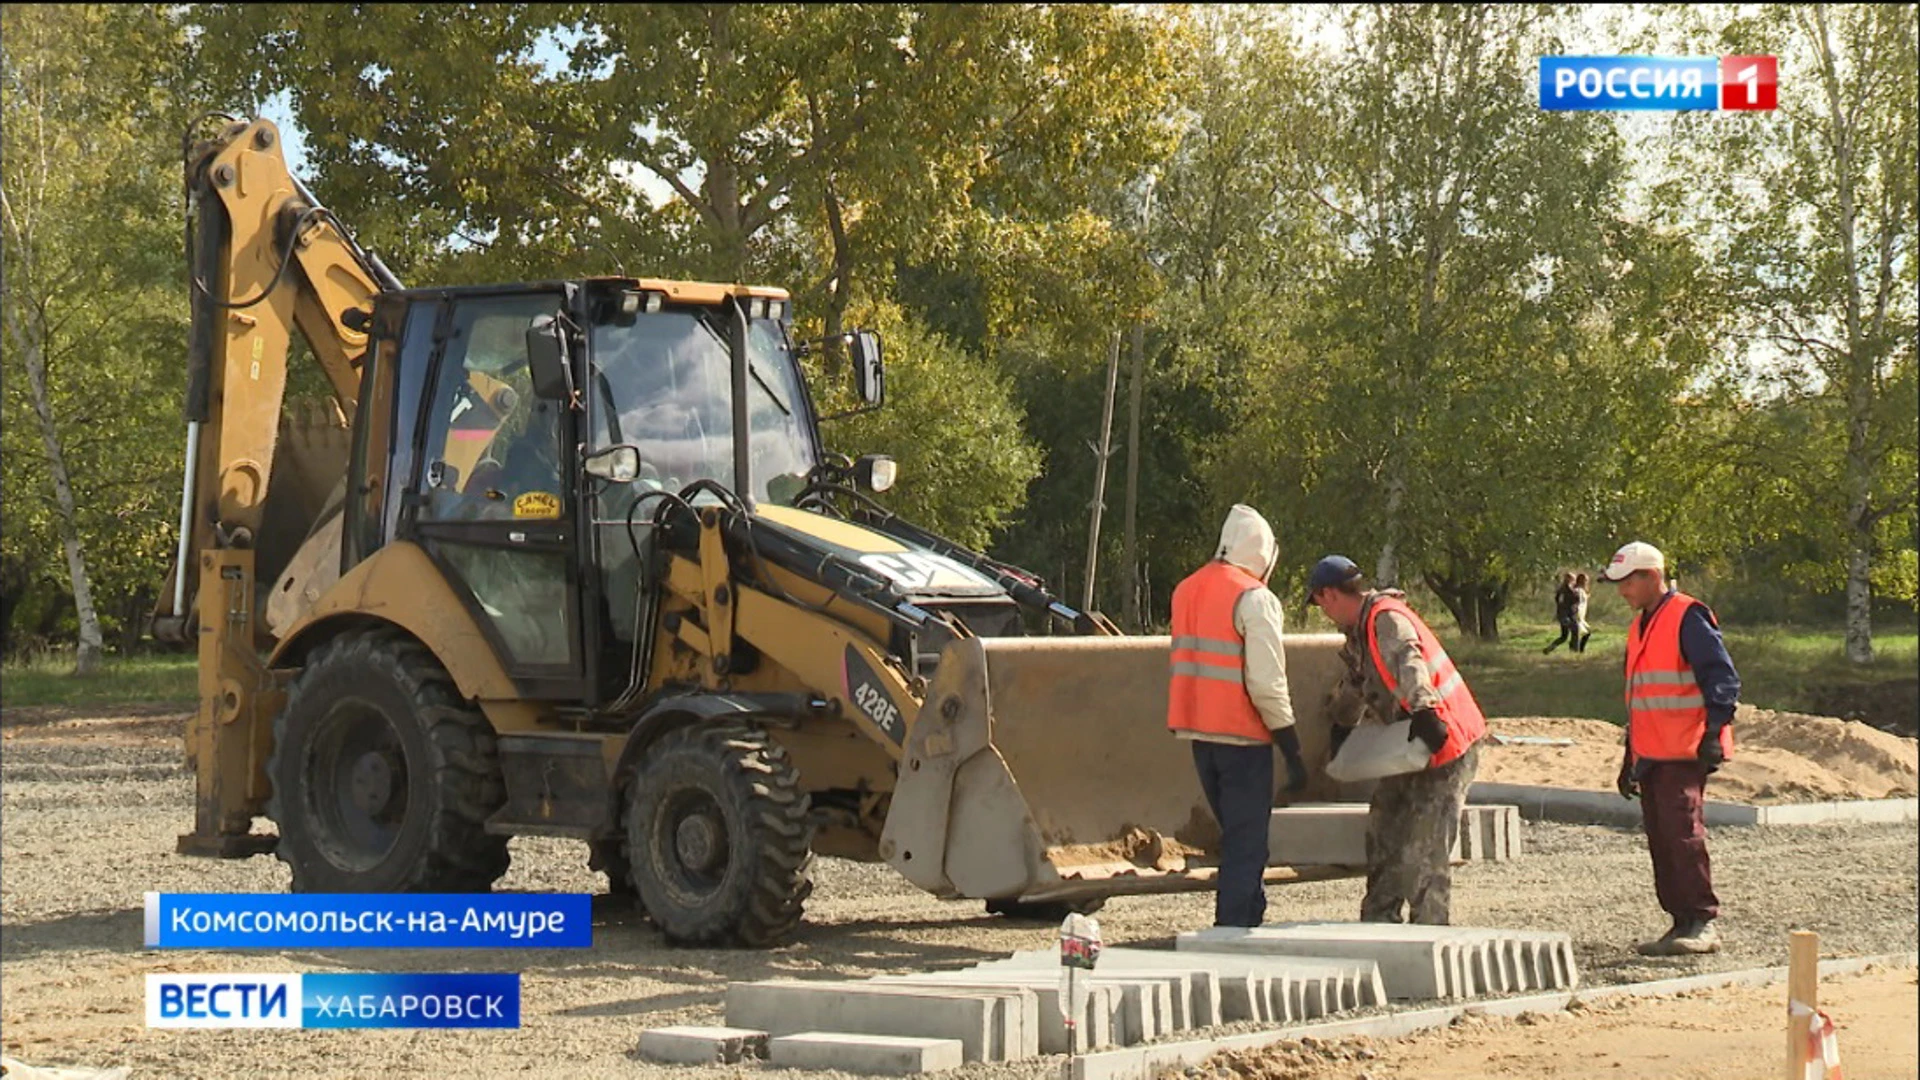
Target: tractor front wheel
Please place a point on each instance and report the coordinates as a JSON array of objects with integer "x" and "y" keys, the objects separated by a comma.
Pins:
[{"x": 717, "y": 836}]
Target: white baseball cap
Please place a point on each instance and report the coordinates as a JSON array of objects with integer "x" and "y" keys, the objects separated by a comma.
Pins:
[{"x": 1634, "y": 556}]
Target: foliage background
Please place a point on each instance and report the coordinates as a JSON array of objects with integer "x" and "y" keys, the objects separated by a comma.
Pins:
[{"x": 1411, "y": 318}]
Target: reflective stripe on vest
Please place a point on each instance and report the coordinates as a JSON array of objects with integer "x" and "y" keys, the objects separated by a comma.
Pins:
[
  {"x": 1666, "y": 712},
  {"x": 1207, "y": 687},
  {"x": 1466, "y": 725}
]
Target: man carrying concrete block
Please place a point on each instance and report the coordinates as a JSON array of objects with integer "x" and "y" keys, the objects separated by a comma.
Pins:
[
  {"x": 1228, "y": 696},
  {"x": 1397, "y": 667}
]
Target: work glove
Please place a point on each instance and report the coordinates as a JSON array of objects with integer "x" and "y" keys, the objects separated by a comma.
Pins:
[
  {"x": 1710, "y": 754},
  {"x": 1428, "y": 728},
  {"x": 1288, "y": 740},
  {"x": 1625, "y": 783},
  {"x": 1338, "y": 737}
]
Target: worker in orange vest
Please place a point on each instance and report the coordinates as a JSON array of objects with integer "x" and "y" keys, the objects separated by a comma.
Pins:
[
  {"x": 1397, "y": 668},
  {"x": 1227, "y": 695},
  {"x": 1681, "y": 693}
]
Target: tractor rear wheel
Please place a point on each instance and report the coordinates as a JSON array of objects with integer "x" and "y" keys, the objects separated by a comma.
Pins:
[
  {"x": 718, "y": 836},
  {"x": 383, "y": 776}
]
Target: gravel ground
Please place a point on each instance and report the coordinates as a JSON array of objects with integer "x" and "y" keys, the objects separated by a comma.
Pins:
[{"x": 90, "y": 806}]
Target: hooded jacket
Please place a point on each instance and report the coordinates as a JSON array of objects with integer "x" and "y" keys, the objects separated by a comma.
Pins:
[{"x": 1246, "y": 541}]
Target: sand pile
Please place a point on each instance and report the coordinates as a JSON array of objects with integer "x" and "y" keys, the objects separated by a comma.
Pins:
[{"x": 1779, "y": 757}]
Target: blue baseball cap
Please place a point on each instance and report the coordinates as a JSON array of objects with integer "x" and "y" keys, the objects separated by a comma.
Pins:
[{"x": 1330, "y": 571}]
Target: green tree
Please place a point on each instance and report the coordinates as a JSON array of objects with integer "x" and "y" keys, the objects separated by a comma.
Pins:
[
  {"x": 1446, "y": 392},
  {"x": 820, "y": 146},
  {"x": 1813, "y": 210},
  {"x": 92, "y": 96},
  {"x": 961, "y": 477}
]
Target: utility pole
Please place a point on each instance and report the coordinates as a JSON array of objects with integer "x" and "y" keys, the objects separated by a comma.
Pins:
[
  {"x": 1130, "y": 603},
  {"x": 1100, "y": 455}
]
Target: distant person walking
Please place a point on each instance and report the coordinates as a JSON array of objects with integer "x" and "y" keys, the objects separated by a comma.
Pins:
[
  {"x": 1397, "y": 668},
  {"x": 1228, "y": 696},
  {"x": 1581, "y": 631},
  {"x": 1563, "y": 614},
  {"x": 1681, "y": 693}
]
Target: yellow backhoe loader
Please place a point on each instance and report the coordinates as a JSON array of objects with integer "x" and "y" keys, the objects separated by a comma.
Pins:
[{"x": 570, "y": 560}]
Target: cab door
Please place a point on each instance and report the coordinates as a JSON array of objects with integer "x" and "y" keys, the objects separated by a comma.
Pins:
[{"x": 491, "y": 496}]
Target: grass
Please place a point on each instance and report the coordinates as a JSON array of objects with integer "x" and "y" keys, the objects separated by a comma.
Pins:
[
  {"x": 134, "y": 680},
  {"x": 1780, "y": 667}
]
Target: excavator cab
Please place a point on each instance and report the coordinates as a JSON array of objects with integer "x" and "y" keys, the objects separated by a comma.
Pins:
[{"x": 497, "y": 400}]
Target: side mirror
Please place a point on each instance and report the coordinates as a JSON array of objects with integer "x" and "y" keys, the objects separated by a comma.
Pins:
[
  {"x": 869, "y": 373},
  {"x": 548, "y": 362},
  {"x": 619, "y": 464}
]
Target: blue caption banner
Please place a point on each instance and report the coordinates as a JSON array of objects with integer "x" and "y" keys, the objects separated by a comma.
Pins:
[
  {"x": 369, "y": 921},
  {"x": 411, "y": 1000},
  {"x": 1642, "y": 83}
]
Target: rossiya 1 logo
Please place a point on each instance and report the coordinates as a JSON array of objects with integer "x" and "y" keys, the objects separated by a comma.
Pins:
[{"x": 1660, "y": 83}]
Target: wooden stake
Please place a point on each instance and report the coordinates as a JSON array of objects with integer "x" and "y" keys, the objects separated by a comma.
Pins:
[{"x": 1803, "y": 987}]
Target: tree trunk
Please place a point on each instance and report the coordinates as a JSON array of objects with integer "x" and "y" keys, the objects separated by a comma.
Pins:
[
  {"x": 1387, "y": 569},
  {"x": 1492, "y": 599},
  {"x": 1859, "y": 371},
  {"x": 1130, "y": 602},
  {"x": 31, "y": 343},
  {"x": 1102, "y": 452},
  {"x": 1459, "y": 602}
]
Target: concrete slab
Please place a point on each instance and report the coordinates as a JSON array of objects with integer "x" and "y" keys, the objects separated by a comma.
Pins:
[
  {"x": 689, "y": 1045},
  {"x": 1096, "y": 1026},
  {"x": 1866, "y": 810},
  {"x": 1553, "y": 969},
  {"x": 1409, "y": 968},
  {"x": 1318, "y": 835},
  {"x": 992, "y": 1025},
  {"x": 1291, "y": 980},
  {"x": 870, "y": 1055},
  {"x": 1147, "y": 1002},
  {"x": 1538, "y": 803},
  {"x": 1142, "y": 1063}
]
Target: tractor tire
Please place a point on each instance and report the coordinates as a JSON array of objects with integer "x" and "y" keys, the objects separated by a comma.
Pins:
[
  {"x": 383, "y": 776},
  {"x": 1044, "y": 911},
  {"x": 718, "y": 836}
]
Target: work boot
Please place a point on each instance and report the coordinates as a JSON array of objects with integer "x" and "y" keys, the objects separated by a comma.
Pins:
[
  {"x": 1662, "y": 945},
  {"x": 1697, "y": 938}
]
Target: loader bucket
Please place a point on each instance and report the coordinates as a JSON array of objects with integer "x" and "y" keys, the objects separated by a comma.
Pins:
[
  {"x": 1042, "y": 769},
  {"x": 298, "y": 551}
]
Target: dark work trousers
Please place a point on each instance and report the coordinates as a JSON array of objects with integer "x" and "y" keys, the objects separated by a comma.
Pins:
[
  {"x": 1238, "y": 781},
  {"x": 1412, "y": 824},
  {"x": 1672, "y": 799}
]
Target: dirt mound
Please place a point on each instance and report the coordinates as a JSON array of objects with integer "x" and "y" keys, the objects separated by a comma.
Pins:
[{"x": 1779, "y": 757}]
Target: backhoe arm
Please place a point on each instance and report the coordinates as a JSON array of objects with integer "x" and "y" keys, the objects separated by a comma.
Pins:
[{"x": 264, "y": 261}]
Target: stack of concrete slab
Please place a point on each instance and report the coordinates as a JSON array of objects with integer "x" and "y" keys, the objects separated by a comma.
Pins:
[
  {"x": 1265, "y": 989},
  {"x": 1004, "y": 1010},
  {"x": 1335, "y": 834},
  {"x": 1443, "y": 962}
]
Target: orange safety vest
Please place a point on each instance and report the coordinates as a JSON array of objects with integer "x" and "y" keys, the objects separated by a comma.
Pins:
[
  {"x": 1207, "y": 693},
  {"x": 1666, "y": 713},
  {"x": 1466, "y": 725}
]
